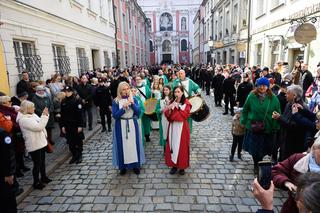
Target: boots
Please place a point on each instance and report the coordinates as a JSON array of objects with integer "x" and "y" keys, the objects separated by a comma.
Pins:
[
  {"x": 79, "y": 158},
  {"x": 73, "y": 159}
]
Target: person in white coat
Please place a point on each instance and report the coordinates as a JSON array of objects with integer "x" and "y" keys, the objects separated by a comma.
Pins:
[{"x": 34, "y": 133}]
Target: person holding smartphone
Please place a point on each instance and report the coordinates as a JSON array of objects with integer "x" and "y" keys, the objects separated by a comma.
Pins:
[
  {"x": 34, "y": 133},
  {"x": 286, "y": 173}
]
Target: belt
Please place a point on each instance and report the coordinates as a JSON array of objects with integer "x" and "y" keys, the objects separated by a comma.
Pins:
[{"x": 127, "y": 125}]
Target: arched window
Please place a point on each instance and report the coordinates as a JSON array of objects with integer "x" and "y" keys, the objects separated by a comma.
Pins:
[
  {"x": 166, "y": 22},
  {"x": 183, "y": 24},
  {"x": 150, "y": 46},
  {"x": 166, "y": 46},
  {"x": 184, "y": 45}
]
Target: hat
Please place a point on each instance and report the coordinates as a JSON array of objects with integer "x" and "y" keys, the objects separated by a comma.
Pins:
[
  {"x": 22, "y": 94},
  {"x": 263, "y": 81},
  {"x": 68, "y": 89},
  {"x": 40, "y": 88},
  {"x": 285, "y": 84}
]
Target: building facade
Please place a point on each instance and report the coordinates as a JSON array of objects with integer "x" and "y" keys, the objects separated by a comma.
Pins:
[
  {"x": 171, "y": 29},
  {"x": 273, "y": 26},
  {"x": 196, "y": 39},
  {"x": 229, "y": 21},
  {"x": 132, "y": 34},
  {"x": 56, "y": 36}
]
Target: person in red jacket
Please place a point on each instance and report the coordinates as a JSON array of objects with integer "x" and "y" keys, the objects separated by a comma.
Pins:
[
  {"x": 178, "y": 139},
  {"x": 286, "y": 173}
]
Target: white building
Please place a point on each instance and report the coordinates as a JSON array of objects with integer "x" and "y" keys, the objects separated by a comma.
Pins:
[
  {"x": 171, "y": 29},
  {"x": 48, "y": 36},
  {"x": 230, "y": 30},
  {"x": 273, "y": 38}
]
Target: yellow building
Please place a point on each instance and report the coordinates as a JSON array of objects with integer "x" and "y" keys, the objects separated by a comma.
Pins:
[{"x": 4, "y": 84}]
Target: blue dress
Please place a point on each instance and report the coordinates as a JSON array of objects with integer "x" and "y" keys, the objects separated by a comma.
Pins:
[{"x": 126, "y": 132}]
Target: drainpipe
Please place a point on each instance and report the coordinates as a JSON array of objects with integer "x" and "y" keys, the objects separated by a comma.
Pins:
[{"x": 249, "y": 36}]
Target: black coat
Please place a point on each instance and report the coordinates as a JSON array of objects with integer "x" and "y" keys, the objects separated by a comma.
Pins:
[
  {"x": 228, "y": 86},
  {"x": 283, "y": 100},
  {"x": 217, "y": 82},
  {"x": 71, "y": 112},
  {"x": 307, "y": 80},
  {"x": 24, "y": 86},
  {"x": 102, "y": 97},
  {"x": 86, "y": 94},
  {"x": 7, "y": 155},
  {"x": 243, "y": 91}
]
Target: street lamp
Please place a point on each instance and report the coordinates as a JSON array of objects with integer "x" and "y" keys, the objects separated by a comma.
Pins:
[{"x": 210, "y": 44}]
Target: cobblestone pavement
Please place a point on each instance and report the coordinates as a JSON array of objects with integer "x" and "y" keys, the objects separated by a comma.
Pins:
[{"x": 211, "y": 184}]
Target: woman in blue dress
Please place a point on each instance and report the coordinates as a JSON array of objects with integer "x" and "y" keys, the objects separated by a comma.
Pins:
[{"x": 127, "y": 150}]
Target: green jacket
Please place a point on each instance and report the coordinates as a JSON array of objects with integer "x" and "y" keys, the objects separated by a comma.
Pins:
[
  {"x": 193, "y": 87},
  {"x": 255, "y": 110}
]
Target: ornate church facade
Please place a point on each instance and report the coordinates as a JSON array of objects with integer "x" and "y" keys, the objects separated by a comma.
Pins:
[{"x": 171, "y": 29}]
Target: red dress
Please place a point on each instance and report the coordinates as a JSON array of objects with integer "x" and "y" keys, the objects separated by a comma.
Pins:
[{"x": 177, "y": 152}]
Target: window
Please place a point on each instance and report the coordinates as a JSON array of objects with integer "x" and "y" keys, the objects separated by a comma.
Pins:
[
  {"x": 116, "y": 16},
  {"x": 150, "y": 46},
  {"x": 124, "y": 23},
  {"x": 245, "y": 12},
  {"x": 114, "y": 59},
  {"x": 259, "y": 53},
  {"x": 276, "y": 3},
  {"x": 166, "y": 46},
  {"x": 26, "y": 59},
  {"x": 183, "y": 24},
  {"x": 83, "y": 61},
  {"x": 275, "y": 47},
  {"x": 126, "y": 58},
  {"x": 60, "y": 59},
  {"x": 106, "y": 59},
  {"x": 184, "y": 46},
  {"x": 235, "y": 18},
  {"x": 227, "y": 23},
  {"x": 149, "y": 25},
  {"x": 260, "y": 8}
]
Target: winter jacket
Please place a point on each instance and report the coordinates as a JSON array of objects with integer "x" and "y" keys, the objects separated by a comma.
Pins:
[
  {"x": 255, "y": 110},
  {"x": 33, "y": 130},
  {"x": 228, "y": 86},
  {"x": 86, "y": 94},
  {"x": 40, "y": 104},
  {"x": 243, "y": 91},
  {"x": 287, "y": 170}
]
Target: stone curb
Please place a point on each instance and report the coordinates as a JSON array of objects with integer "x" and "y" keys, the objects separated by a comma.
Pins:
[{"x": 63, "y": 157}]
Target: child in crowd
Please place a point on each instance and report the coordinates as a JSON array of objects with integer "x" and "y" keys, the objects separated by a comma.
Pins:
[{"x": 238, "y": 131}]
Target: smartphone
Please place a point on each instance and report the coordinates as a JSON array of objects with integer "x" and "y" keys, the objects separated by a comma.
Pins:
[{"x": 264, "y": 174}]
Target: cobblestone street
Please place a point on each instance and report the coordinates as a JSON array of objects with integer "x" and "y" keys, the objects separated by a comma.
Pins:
[{"x": 211, "y": 184}]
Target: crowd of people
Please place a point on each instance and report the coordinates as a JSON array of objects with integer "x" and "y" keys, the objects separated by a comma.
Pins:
[{"x": 274, "y": 113}]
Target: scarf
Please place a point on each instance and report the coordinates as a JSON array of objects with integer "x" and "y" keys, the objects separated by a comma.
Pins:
[{"x": 313, "y": 166}]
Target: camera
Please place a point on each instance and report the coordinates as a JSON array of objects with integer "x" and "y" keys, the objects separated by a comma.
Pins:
[{"x": 264, "y": 174}]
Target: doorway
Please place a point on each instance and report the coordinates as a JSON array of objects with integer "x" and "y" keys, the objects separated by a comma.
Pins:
[
  {"x": 295, "y": 54},
  {"x": 95, "y": 59},
  {"x": 166, "y": 59}
]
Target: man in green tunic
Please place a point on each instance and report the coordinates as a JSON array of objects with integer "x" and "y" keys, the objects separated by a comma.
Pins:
[
  {"x": 190, "y": 88},
  {"x": 144, "y": 92}
]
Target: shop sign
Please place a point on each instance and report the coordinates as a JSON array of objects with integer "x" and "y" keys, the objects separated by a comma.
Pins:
[{"x": 305, "y": 33}]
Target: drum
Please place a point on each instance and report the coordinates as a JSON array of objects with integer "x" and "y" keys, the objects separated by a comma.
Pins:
[
  {"x": 150, "y": 108},
  {"x": 199, "y": 111}
]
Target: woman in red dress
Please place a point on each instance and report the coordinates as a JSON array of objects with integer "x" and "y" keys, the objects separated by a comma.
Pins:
[{"x": 177, "y": 152}]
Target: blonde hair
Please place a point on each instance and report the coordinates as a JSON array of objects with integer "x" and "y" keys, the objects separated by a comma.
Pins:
[
  {"x": 120, "y": 87},
  {"x": 26, "y": 106},
  {"x": 4, "y": 99},
  {"x": 60, "y": 96}
]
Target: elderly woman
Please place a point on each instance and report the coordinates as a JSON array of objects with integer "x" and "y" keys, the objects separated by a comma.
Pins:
[
  {"x": 11, "y": 114},
  {"x": 286, "y": 173},
  {"x": 128, "y": 152},
  {"x": 41, "y": 100},
  {"x": 292, "y": 134},
  {"x": 34, "y": 134},
  {"x": 260, "y": 127}
]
